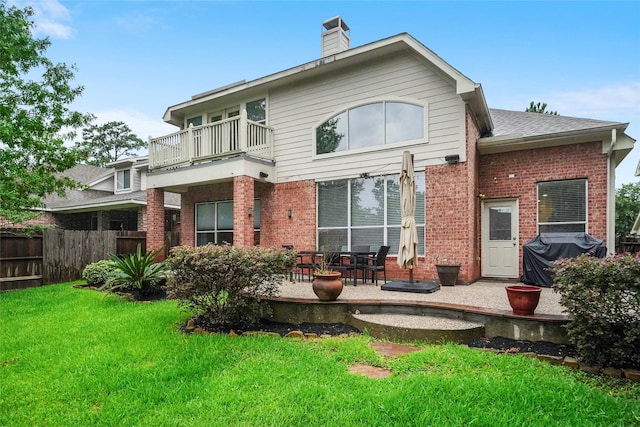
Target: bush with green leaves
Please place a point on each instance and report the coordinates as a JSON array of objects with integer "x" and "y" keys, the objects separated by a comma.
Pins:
[
  {"x": 225, "y": 283},
  {"x": 137, "y": 272},
  {"x": 98, "y": 273},
  {"x": 602, "y": 297}
]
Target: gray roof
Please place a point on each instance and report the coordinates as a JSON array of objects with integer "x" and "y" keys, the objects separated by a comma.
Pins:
[
  {"x": 139, "y": 197},
  {"x": 87, "y": 174},
  {"x": 79, "y": 199},
  {"x": 522, "y": 124}
]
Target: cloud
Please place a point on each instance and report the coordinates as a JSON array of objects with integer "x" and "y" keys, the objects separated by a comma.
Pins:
[
  {"x": 49, "y": 17},
  {"x": 141, "y": 124},
  {"x": 614, "y": 102}
]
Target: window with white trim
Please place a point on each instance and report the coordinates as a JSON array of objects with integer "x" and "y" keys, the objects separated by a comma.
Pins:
[
  {"x": 562, "y": 206},
  {"x": 365, "y": 211},
  {"x": 257, "y": 111},
  {"x": 123, "y": 179},
  {"x": 214, "y": 223},
  {"x": 371, "y": 125}
]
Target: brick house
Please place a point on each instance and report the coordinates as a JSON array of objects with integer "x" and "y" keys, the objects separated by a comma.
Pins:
[
  {"x": 113, "y": 198},
  {"x": 310, "y": 156}
]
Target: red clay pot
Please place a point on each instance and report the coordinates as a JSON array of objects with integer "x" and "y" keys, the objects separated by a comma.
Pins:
[
  {"x": 327, "y": 287},
  {"x": 523, "y": 298}
]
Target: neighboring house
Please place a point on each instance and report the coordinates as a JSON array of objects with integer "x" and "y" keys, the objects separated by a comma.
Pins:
[
  {"x": 310, "y": 157},
  {"x": 113, "y": 198}
]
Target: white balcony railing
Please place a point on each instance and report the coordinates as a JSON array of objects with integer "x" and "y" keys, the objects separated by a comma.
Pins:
[{"x": 212, "y": 140}]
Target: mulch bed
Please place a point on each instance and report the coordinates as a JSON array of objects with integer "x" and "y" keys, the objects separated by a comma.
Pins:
[{"x": 340, "y": 329}]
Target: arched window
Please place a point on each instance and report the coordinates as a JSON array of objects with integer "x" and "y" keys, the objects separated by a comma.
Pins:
[{"x": 371, "y": 125}]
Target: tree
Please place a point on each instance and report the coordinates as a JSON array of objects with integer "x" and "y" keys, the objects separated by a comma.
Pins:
[
  {"x": 627, "y": 207},
  {"x": 108, "y": 142},
  {"x": 539, "y": 108},
  {"x": 34, "y": 98},
  {"x": 327, "y": 137}
]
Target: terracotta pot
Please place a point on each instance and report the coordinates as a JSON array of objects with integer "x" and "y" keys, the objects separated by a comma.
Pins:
[
  {"x": 523, "y": 298},
  {"x": 448, "y": 273},
  {"x": 327, "y": 287}
]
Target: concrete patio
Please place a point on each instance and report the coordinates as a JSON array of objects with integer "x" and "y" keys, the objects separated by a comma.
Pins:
[{"x": 453, "y": 313}]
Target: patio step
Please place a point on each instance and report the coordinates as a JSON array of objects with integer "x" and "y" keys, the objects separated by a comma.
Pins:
[{"x": 420, "y": 328}]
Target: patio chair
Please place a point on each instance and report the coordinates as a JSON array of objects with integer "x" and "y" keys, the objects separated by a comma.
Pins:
[
  {"x": 375, "y": 265},
  {"x": 334, "y": 262}
]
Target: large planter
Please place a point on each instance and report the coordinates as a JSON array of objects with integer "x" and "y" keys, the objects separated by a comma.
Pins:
[
  {"x": 523, "y": 298},
  {"x": 448, "y": 274},
  {"x": 327, "y": 286}
]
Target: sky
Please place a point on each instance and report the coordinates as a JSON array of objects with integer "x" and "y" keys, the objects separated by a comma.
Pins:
[{"x": 136, "y": 58}]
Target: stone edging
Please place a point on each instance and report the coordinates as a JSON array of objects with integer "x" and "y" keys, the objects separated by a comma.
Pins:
[{"x": 573, "y": 363}]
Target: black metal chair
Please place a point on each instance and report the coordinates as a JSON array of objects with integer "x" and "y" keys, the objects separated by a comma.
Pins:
[
  {"x": 303, "y": 264},
  {"x": 334, "y": 262},
  {"x": 375, "y": 265}
]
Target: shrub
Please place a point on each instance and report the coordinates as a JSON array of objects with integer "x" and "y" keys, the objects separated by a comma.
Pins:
[
  {"x": 97, "y": 273},
  {"x": 602, "y": 297},
  {"x": 137, "y": 272},
  {"x": 225, "y": 283}
]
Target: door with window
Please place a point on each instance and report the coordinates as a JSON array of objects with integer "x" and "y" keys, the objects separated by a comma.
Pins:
[
  {"x": 500, "y": 246},
  {"x": 227, "y": 135}
]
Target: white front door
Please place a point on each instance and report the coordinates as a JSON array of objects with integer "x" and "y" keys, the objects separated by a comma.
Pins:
[{"x": 500, "y": 246}]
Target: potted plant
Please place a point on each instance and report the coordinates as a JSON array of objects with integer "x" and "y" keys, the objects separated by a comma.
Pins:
[
  {"x": 447, "y": 272},
  {"x": 523, "y": 299},
  {"x": 327, "y": 284}
]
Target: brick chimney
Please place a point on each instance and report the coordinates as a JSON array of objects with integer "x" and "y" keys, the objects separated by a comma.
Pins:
[{"x": 335, "y": 36}]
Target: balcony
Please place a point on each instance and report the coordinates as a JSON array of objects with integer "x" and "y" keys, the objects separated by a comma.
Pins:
[{"x": 217, "y": 140}]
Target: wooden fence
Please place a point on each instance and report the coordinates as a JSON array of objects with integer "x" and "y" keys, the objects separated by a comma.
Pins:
[{"x": 61, "y": 255}]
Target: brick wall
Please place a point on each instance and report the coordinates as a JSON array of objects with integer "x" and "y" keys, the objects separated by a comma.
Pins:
[
  {"x": 243, "y": 195},
  {"x": 200, "y": 194},
  {"x": 277, "y": 228},
  {"x": 546, "y": 164},
  {"x": 155, "y": 220},
  {"x": 45, "y": 218}
]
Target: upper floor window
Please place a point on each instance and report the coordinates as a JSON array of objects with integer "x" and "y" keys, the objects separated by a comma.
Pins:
[
  {"x": 371, "y": 125},
  {"x": 123, "y": 179},
  {"x": 195, "y": 121},
  {"x": 257, "y": 111},
  {"x": 562, "y": 206}
]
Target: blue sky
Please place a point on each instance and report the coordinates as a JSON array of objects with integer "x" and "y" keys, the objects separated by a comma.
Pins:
[{"x": 136, "y": 58}]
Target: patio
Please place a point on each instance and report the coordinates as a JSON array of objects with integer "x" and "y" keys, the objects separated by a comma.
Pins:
[{"x": 454, "y": 313}]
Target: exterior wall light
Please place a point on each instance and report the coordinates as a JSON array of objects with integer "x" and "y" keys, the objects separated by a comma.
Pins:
[
  {"x": 250, "y": 211},
  {"x": 289, "y": 213},
  {"x": 452, "y": 159}
]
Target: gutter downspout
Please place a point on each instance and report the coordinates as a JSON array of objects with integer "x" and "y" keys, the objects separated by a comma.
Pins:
[{"x": 611, "y": 196}]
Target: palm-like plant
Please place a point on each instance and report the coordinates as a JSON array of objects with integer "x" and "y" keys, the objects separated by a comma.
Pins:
[{"x": 136, "y": 271}]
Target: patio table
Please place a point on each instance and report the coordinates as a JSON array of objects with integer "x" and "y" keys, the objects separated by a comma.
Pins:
[{"x": 354, "y": 257}]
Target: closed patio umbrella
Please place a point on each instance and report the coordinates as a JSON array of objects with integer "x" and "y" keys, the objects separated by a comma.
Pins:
[{"x": 407, "y": 252}]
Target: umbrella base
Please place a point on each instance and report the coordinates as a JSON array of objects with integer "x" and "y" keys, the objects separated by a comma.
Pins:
[{"x": 421, "y": 287}]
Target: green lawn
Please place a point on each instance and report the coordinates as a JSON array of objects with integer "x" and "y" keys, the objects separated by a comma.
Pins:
[{"x": 75, "y": 357}]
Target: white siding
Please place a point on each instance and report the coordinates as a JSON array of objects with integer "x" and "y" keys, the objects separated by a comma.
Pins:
[
  {"x": 106, "y": 185},
  {"x": 135, "y": 179},
  {"x": 296, "y": 110}
]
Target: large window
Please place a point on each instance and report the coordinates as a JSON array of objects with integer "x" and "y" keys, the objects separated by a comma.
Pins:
[
  {"x": 214, "y": 223},
  {"x": 562, "y": 206},
  {"x": 371, "y": 125},
  {"x": 123, "y": 179},
  {"x": 365, "y": 211}
]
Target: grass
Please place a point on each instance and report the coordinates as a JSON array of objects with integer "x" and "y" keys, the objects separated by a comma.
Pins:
[{"x": 77, "y": 357}]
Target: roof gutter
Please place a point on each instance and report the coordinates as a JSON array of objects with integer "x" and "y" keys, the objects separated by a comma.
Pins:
[
  {"x": 498, "y": 144},
  {"x": 103, "y": 206}
]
